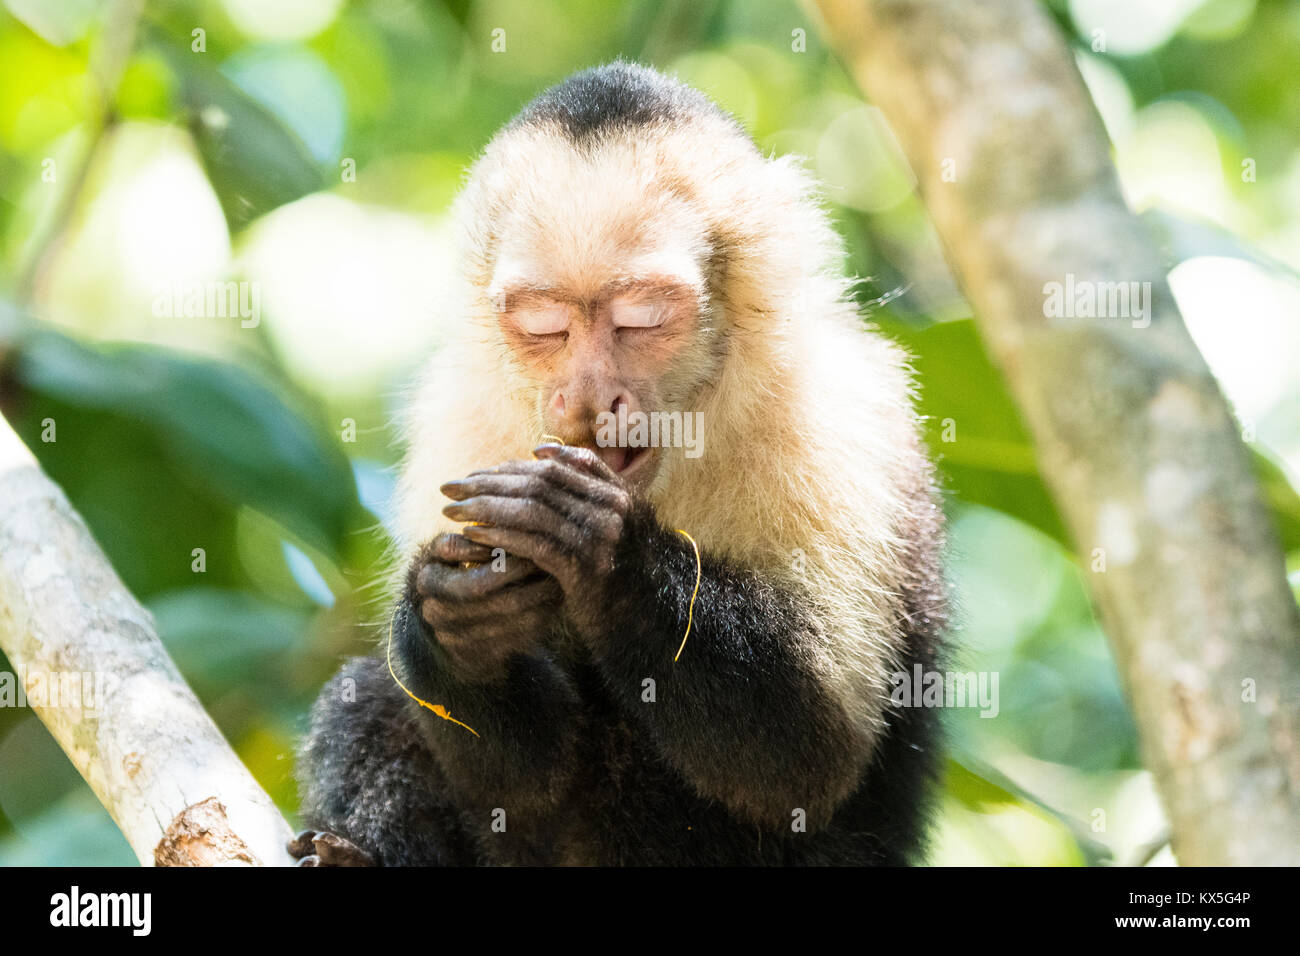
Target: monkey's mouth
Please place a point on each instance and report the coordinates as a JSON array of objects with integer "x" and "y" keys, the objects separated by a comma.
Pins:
[{"x": 622, "y": 460}]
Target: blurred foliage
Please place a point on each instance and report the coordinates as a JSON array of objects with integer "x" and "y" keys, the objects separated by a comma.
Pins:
[
  {"x": 312, "y": 149},
  {"x": 254, "y": 161}
]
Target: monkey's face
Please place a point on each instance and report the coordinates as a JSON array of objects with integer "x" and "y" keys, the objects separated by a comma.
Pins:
[
  {"x": 599, "y": 361},
  {"x": 599, "y": 295}
]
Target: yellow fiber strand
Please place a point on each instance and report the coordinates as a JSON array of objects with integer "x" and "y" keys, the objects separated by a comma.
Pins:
[
  {"x": 690, "y": 613},
  {"x": 438, "y": 709}
]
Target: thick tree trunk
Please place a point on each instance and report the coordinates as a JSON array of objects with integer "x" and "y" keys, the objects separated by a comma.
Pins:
[
  {"x": 98, "y": 677},
  {"x": 1133, "y": 435}
]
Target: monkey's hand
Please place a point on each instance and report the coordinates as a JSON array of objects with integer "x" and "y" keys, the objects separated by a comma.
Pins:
[
  {"x": 566, "y": 513},
  {"x": 481, "y": 614}
]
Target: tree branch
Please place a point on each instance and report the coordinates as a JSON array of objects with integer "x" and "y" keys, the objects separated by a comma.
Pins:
[
  {"x": 1133, "y": 436},
  {"x": 98, "y": 677}
]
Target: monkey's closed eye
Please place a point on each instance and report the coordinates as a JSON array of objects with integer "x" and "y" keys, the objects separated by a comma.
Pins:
[
  {"x": 542, "y": 319},
  {"x": 639, "y": 313}
]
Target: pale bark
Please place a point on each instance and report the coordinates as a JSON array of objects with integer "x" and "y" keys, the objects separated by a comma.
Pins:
[
  {"x": 1133, "y": 436},
  {"x": 135, "y": 730}
]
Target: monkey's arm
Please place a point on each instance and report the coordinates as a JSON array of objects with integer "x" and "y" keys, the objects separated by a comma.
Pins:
[
  {"x": 467, "y": 640},
  {"x": 399, "y": 781},
  {"x": 407, "y": 787},
  {"x": 525, "y": 714},
  {"x": 747, "y": 716},
  {"x": 744, "y": 714}
]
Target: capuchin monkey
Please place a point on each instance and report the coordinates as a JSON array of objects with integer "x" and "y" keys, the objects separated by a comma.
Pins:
[{"x": 627, "y": 251}]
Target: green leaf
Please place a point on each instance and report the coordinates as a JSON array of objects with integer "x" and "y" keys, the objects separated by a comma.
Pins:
[
  {"x": 57, "y": 818},
  {"x": 254, "y": 161},
  {"x": 224, "y": 426},
  {"x": 75, "y": 831},
  {"x": 991, "y": 459},
  {"x": 223, "y": 638},
  {"x": 59, "y": 24},
  {"x": 1281, "y": 497},
  {"x": 1184, "y": 237},
  {"x": 978, "y": 784}
]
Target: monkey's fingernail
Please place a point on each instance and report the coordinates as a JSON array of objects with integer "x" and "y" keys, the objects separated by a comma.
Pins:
[
  {"x": 546, "y": 446},
  {"x": 454, "y": 489}
]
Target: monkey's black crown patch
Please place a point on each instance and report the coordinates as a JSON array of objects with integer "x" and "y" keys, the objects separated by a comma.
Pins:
[{"x": 617, "y": 95}]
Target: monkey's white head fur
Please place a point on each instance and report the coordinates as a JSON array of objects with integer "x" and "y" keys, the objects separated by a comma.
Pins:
[{"x": 811, "y": 464}]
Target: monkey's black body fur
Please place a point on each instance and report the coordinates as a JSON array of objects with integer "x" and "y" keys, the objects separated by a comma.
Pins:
[{"x": 589, "y": 773}]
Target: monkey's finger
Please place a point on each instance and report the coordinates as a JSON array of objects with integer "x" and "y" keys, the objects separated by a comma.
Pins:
[
  {"x": 334, "y": 850},
  {"x": 453, "y": 611},
  {"x": 559, "y": 486},
  {"x": 456, "y": 549},
  {"x": 514, "y": 600},
  {"x": 303, "y": 844},
  {"x": 538, "y": 548},
  {"x": 522, "y": 514},
  {"x": 474, "y": 583},
  {"x": 578, "y": 457},
  {"x": 560, "y": 474},
  {"x": 496, "y": 613}
]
